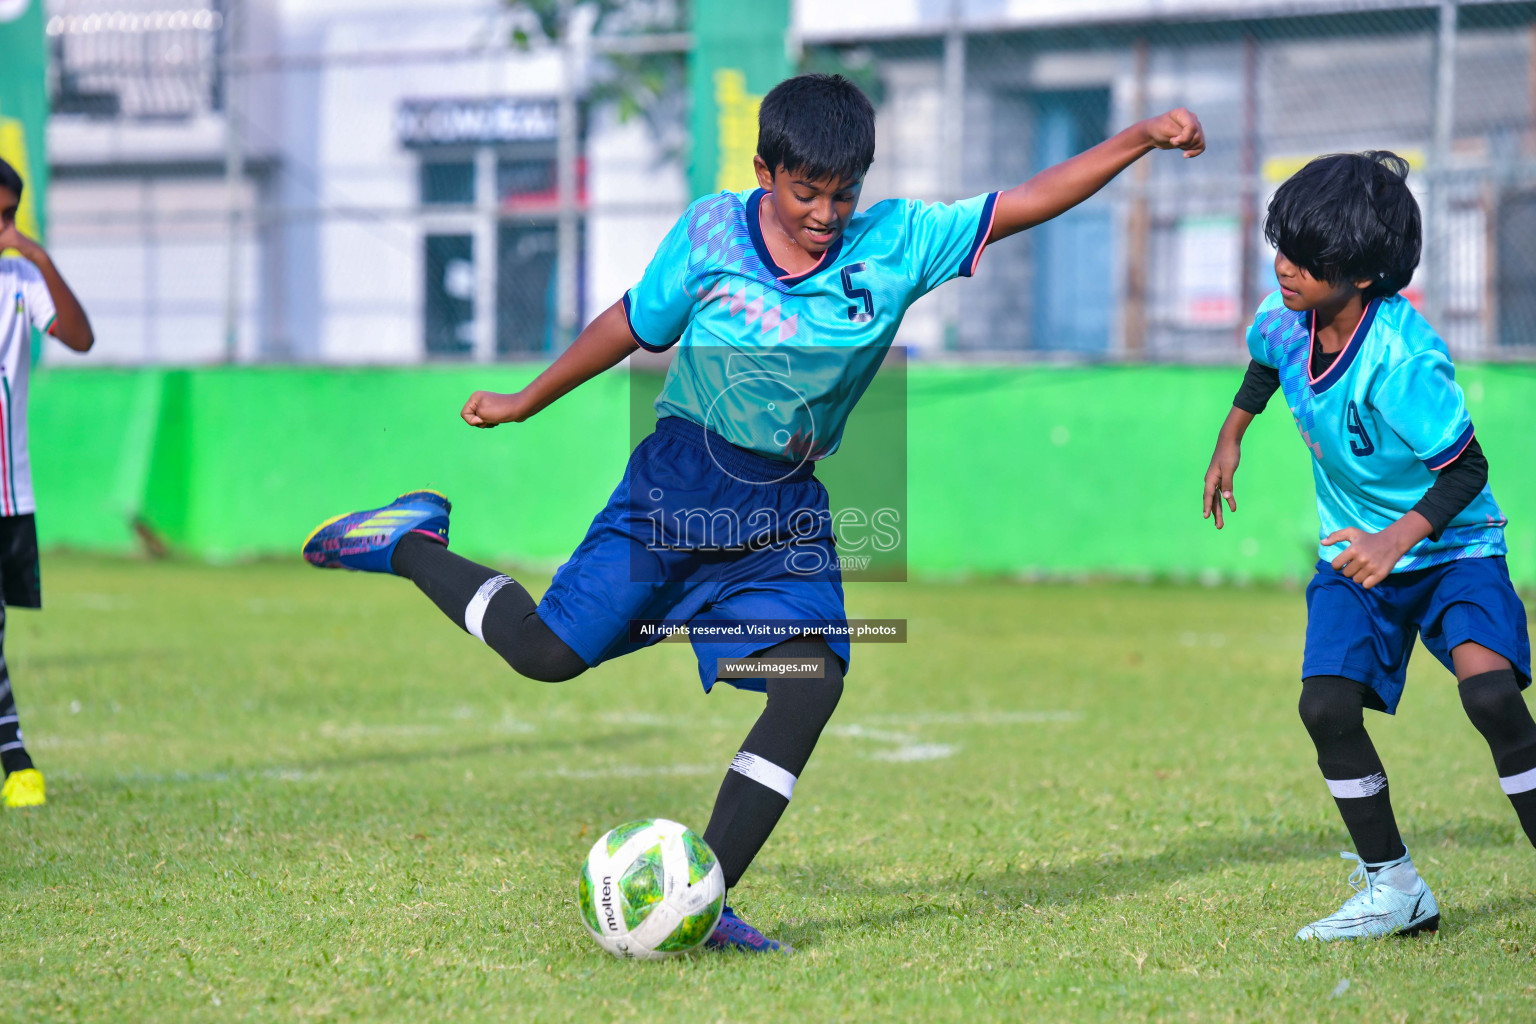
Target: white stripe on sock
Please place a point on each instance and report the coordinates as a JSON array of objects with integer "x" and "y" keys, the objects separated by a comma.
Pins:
[
  {"x": 1522, "y": 783},
  {"x": 765, "y": 773},
  {"x": 474, "y": 615},
  {"x": 1354, "y": 789}
]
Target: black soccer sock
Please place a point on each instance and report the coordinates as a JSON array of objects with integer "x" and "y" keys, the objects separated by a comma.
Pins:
[
  {"x": 1333, "y": 710},
  {"x": 13, "y": 754},
  {"x": 489, "y": 606},
  {"x": 762, "y": 776},
  {"x": 1493, "y": 702}
]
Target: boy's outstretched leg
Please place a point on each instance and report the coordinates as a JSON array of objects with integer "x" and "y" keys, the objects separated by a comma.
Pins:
[
  {"x": 1391, "y": 898},
  {"x": 409, "y": 537},
  {"x": 1490, "y": 694},
  {"x": 762, "y": 776},
  {"x": 492, "y": 607}
]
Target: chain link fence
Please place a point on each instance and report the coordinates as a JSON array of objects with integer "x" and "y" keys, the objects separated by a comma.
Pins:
[
  {"x": 1169, "y": 262},
  {"x": 232, "y": 183}
]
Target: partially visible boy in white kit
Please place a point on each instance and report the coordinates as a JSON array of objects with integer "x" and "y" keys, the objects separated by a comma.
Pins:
[{"x": 32, "y": 294}]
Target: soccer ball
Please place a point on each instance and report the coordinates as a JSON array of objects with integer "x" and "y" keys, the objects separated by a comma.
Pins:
[{"x": 651, "y": 889}]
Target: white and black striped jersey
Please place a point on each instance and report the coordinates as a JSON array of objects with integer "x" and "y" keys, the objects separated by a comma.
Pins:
[{"x": 24, "y": 304}]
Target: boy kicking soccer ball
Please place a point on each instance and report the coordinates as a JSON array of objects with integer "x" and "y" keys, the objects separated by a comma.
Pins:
[
  {"x": 1412, "y": 540},
  {"x": 782, "y": 302},
  {"x": 32, "y": 294}
]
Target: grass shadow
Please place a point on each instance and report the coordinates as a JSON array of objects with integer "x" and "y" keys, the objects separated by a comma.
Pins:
[{"x": 1085, "y": 882}]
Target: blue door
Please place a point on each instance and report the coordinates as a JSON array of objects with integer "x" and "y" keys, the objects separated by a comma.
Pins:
[{"x": 1072, "y": 260}]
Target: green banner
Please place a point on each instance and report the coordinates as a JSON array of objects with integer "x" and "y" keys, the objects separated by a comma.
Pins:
[
  {"x": 1032, "y": 471},
  {"x": 24, "y": 105},
  {"x": 739, "y": 53}
]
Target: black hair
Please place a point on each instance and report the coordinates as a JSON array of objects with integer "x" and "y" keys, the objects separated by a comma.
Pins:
[
  {"x": 820, "y": 126},
  {"x": 1349, "y": 216},
  {"x": 10, "y": 179}
]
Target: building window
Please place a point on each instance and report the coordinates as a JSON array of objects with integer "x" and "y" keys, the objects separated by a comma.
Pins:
[
  {"x": 450, "y": 313},
  {"x": 523, "y": 179},
  {"x": 527, "y": 303},
  {"x": 447, "y": 182}
]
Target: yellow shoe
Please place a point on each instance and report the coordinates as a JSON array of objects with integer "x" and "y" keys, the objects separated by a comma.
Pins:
[{"x": 23, "y": 789}]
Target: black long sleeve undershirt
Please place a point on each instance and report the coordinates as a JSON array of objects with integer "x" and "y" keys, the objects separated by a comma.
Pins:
[
  {"x": 1259, "y": 383},
  {"x": 1454, "y": 488},
  {"x": 1456, "y": 484}
]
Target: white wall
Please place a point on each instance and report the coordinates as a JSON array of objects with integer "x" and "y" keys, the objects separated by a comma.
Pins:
[{"x": 828, "y": 19}]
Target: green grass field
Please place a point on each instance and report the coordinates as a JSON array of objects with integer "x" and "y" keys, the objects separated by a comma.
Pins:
[{"x": 283, "y": 794}]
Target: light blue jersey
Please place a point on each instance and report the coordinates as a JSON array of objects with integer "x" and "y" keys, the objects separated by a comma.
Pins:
[
  {"x": 774, "y": 362},
  {"x": 1380, "y": 422}
]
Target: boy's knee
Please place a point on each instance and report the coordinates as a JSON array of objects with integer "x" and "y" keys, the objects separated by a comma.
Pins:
[
  {"x": 818, "y": 697},
  {"x": 1331, "y": 705},
  {"x": 1493, "y": 702},
  {"x": 537, "y": 653},
  {"x": 827, "y": 691},
  {"x": 547, "y": 666}
]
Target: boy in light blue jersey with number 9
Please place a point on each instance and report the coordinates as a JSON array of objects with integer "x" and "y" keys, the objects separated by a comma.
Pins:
[
  {"x": 1412, "y": 542},
  {"x": 782, "y": 302}
]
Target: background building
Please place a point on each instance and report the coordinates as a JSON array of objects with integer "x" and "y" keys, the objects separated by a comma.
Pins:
[
  {"x": 334, "y": 181},
  {"x": 329, "y": 181}
]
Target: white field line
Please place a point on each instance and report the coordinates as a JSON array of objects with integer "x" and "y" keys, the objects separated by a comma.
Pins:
[
  {"x": 900, "y": 746},
  {"x": 907, "y": 747},
  {"x": 630, "y": 771},
  {"x": 976, "y": 718},
  {"x": 275, "y": 774},
  {"x": 363, "y": 731},
  {"x": 916, "y": 752},
  {"x": 91, "y": 602},
  {"x": 897, "y": 747}
]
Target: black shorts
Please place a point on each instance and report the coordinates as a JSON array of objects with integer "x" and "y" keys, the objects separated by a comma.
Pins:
[{"x": 21, "y": 580}]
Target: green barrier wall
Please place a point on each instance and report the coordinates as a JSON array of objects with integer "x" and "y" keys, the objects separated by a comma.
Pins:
[{"x": 1018, "y": 471}]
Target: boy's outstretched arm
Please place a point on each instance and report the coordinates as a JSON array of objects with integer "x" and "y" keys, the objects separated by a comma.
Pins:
[
  {"x": 1260, "y": 382},
  {"x": 1218, "y": 477},
  {"x": 604, "y": 344},
  {"x": 1057, "y": 189}
]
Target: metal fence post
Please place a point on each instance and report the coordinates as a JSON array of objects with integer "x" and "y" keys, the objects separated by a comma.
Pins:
[
  {"x": 234, "y": 174},
  {"x": 566, "y": 155},
  {"x": 1138, "y": 228},
  {"x": 953, "y": 85},
  {"x": 486, "y": 244},
  {"x": 1438, "y": 236}
]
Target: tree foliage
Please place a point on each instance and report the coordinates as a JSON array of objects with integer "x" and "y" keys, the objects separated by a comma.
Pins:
[{"x": 651, "y": 86}]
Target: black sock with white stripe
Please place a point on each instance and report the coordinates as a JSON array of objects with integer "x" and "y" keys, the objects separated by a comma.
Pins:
[
  {"x": 13, "y": 754},
  {"x": 1333, "y": 710},
  {"x": 762, "y": 776},
  {"x": 1494, "y": 703},
  {"x": 487, "y": 605}
]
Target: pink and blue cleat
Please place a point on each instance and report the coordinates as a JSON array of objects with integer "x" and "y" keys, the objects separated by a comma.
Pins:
[
  {"x": 734, "y": 933},
  {"x": 366, "y": 540}
]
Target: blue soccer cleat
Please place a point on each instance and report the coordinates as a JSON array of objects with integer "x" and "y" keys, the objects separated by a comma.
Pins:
[
  {"x": 425, "y": 498},
  {"x": 1379, "y": 908},
  {"x": 734, "y": 933},
  {"x": 366, "y": 540}
]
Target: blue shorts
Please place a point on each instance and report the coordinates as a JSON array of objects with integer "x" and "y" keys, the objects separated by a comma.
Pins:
[
  {"x": 705, "y": 533},
  {"x": 1367, "y": 635}
]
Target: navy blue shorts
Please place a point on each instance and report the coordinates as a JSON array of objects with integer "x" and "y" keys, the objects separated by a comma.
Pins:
[
  {"x": 703, "y": 533},
  {"x": 1367, "y": 635}
]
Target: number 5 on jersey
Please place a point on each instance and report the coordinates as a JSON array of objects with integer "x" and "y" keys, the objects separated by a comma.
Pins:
[{"x": 856, "y": 314}]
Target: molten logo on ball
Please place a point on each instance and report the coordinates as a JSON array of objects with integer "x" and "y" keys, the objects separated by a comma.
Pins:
[{"x": 660, "y": 893}]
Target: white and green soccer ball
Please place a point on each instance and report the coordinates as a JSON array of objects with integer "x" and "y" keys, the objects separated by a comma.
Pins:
[{"x": 651, "y": 889}]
